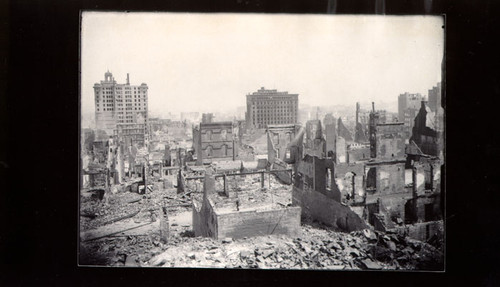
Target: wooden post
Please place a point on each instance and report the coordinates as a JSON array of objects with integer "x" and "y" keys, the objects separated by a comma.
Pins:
[{"x": 224, "y": 179}]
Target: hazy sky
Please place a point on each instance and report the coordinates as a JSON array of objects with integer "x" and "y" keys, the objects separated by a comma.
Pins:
[{"x": 209, "y": 62}]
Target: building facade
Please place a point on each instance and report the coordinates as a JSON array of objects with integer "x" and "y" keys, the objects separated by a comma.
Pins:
[
  {"x": 214, "y": 142},
  {"x": 119, "y": 103},
  {"x": 270, "y": 107},
  {"x": 131, "y": 133}
]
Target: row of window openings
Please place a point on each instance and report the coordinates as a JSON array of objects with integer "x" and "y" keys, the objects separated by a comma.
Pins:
[
  {"x": 223, "y": 135},
  {"x": 274, "y": 103},
  {"x": 118, "y": 99},
  {"x": 274, "y": 114},
  {"x": 111, "y": 109},
  {"x": 121, "y": 105},
  {"x": 209, "y": 151},
  {"x": 275, "y": 117}
]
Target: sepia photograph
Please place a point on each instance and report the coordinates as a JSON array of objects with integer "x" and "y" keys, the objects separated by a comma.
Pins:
[{"x": 262, "y": 141}]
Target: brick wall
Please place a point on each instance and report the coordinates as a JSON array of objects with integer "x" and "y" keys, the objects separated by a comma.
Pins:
[{"x": 254, "y": 223}]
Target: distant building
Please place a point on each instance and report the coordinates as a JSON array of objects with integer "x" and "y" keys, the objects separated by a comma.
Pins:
[
  {"x": 207, "y": 118},
  {"x": 119, "y": 103},
  {"x": 435, "y": 98},
  {"x": 408, "y": 107},
  {"x": 131, "y": 133},
  {"x": 214, "y": 142},
  {"x": 363, "y": 122},
  {"x": 270, "y": 107}
]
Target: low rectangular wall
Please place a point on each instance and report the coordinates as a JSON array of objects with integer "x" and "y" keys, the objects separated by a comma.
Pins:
[{"x": 254, "y": 223}]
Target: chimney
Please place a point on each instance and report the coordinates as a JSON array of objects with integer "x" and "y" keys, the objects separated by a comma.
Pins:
[
  {"x": 128, "y": 82},
  {"x": 357, "y": 113},
  {"x": 373, "y": 106}
]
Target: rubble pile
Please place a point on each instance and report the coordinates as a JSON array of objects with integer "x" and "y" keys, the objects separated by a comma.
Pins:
[
  {"x": 257, "y": 141},
  {"x": 315, "y": 249},
  {"x": 113, "y": 206},
  {"x": 125, "y": 231}
]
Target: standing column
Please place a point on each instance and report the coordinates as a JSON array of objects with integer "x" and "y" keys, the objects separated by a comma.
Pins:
[{"x": 262, "y": 179}]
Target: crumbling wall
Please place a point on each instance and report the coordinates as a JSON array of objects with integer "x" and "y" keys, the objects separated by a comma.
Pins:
[
  {"x": 325, "y": 209},
  {"x": 255, "y": 223},
  {"x": 197, "y": 146},
  {"x": 343, "y": 178},
  {"x": 426, "y": 208},
  {"x": 204, "y": 217},
  {"x": 312, "y": 173},
  {"x": 314, "y": 145},
  {"x": 389, "y": 179},
  {"x": 204, "y": 220},
  {"x": 330, "y": 137},
  {"x": 358, "y": 154},
  {"x": 340, "y": 150},
  {"x": 394, "y": 208},
  {"x": 390, "y": 141},
  {"x": 343, "y": 131},
  {"x": 278, "y": 139},
  {"x": 422, "y": 231}
]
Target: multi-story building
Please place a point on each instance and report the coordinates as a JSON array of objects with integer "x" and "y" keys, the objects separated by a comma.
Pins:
[
  {"x": 435, "y": 98},
  {"x": 408, "y": 101},
  {"x": 408, "y": 107},
  {"x": 119, "y": 103},
  {"x": 270, "y": 107}
]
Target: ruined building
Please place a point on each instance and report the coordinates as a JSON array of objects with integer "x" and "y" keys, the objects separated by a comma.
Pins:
[
  {"x": 132, "y": 133},
  {"x": 214, "y": 141},
  {"x": 123, "y": 104},
  {"x": 371, "y": 189},
  {"x": 279, "y": 138},
  {"x": 339, "y": 142},
  {"x": 236, "y": 214},
  {"x": 314, "y": 187},
  {"x": 425, "y": 133},
  {"x": 408, "y": 106},
  {"x": 363, "y": 122},
  {"x": 270, "y": 107},
  {"x": 385, "y": 174},
  {"x": 360, "y": 133}
]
